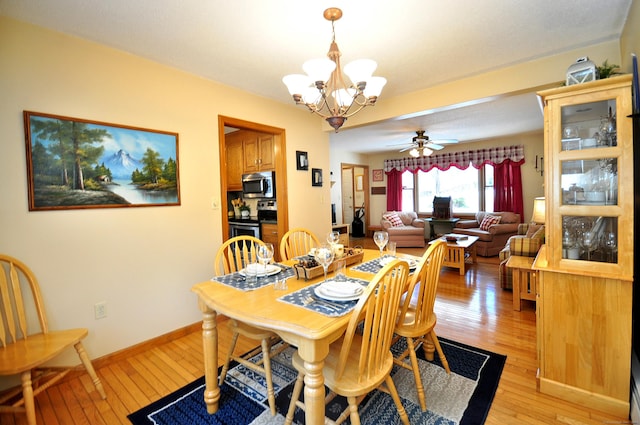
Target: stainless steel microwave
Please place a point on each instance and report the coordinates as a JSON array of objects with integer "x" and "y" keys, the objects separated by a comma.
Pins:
[{"x": 259, "y": 185}]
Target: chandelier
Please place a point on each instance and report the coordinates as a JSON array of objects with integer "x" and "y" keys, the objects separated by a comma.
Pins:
[{"x": 324, "y": 90}]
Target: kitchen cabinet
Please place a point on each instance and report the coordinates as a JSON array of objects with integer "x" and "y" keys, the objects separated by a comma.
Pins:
[
  {"x": 247, "y": 152},
  {"x": 269, "y": 232},
  {"x": 584, "y": 299},
  {"x": 258, "y": 152},
  {"x": 235, "y": 161}
]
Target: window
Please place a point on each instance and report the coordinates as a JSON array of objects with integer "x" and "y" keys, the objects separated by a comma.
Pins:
[
  {"x": 471, "y": 190},
  {"x": 407, "y": 191}
]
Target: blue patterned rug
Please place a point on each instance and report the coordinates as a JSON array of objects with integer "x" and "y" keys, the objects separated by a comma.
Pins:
[{"x": 463, "y": 397}]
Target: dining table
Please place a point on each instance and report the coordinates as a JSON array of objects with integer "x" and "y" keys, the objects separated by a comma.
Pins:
[{"x": 311, "y": 328}]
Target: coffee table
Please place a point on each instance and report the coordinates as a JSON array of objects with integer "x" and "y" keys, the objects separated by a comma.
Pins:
[{"x": 455, "y": 253}]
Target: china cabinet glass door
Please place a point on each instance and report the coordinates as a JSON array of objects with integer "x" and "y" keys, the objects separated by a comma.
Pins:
[{"x": 590, "y": 183}]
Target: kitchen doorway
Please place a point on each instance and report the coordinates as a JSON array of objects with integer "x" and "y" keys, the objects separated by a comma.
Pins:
[
  {"x": 354, "y": 194},
  {"x": 280, "y": 163}
]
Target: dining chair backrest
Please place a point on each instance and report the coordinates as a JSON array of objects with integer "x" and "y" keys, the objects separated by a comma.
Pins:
[
  {"x": 373, "y": 321},
  {"x": 19, "y": 289},
  {"x": 423, "y": 285},
  {"x": 297, "y": 242},
  {"x": 234, "y": 254}
]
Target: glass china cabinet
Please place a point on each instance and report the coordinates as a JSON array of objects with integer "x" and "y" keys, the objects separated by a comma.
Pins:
[
  {"x": 589, "y": 182},
  {"x": 584, "y": 295}
]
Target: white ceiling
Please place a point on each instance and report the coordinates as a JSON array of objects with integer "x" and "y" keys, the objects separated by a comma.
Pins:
[{"x": 251, "y": 44}]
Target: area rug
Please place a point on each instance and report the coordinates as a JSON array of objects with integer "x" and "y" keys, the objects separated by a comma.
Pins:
[{"x": 464, "y": 397}]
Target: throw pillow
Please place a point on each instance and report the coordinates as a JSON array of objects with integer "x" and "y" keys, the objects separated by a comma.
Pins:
[
  {"x": 489, "y": 220},
  {"x": 539, "y": 234},
  {"x": 532, "y": 229},
  {"x": 393, "y": 218}
]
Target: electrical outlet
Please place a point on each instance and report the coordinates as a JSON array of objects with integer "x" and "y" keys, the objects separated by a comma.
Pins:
[{"x": 100, "y": 310}]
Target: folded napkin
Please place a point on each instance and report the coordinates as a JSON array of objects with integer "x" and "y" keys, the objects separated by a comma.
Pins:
[{"x": 342, "y": 289}]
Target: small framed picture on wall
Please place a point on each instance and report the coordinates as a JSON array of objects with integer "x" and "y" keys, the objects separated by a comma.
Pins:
[
  {"x": 302, "y": 161},
  {"x": 378, "y": 175},
  {"x": 316, "y": 177}
]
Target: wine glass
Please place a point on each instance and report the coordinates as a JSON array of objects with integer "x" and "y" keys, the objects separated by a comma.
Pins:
[
  {"x": 324, "y": 257},
  {"x": 265, "y": 254},
  {"x": 333, "y": 237},
  {"x": 611, "y": 244},
  {"x": 587, "y": 242},
  {"x": 381, "y": 238}
]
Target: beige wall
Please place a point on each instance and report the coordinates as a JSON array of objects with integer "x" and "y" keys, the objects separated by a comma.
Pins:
[
  {"x": 141, "y": 261},
  {"x": 630, "y": 40}
]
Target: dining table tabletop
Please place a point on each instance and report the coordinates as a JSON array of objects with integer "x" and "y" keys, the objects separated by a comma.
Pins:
[{"x": 309, "y": 327}]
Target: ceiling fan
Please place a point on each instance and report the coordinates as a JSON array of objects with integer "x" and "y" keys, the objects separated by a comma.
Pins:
[{"x": 421, "y": 145}]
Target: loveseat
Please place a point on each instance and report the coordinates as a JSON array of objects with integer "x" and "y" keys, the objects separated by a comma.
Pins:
[
  {"x": 404, "y": 228},
  {"x": 492, "y": 232},
  {"x": 526, "y": 243}
]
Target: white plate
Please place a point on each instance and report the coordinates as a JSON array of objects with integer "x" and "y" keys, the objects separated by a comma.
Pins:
[
  {"x": 332, "y": 297},
  {"x": 271, "y": 270},
  {"x": 386, "y": 260}
]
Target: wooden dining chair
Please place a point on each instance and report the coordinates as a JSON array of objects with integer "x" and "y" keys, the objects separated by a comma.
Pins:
[
  {"x": 232, "y": 256},
  {"x": 361, "y": 360},
  {"x": 26, "y": 345},
  {"x": 416, "y": 318},
  {"x": 297, "y": 242}
]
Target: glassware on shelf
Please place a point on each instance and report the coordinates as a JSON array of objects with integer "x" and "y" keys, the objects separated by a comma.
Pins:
[
  {"x": 587, "y": 242},
  {"x": 611, "y": 245},
  {"x": 381, "y": 238},
  {"x": 590, "y": 238}
]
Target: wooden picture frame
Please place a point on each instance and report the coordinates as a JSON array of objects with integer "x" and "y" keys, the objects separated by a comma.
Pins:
[
  {"x": 302, "y": 161},
  {"x": 316, "y": 177},
  {"x": 378, "y": 175},
  {"x": 74, "y": 163}
]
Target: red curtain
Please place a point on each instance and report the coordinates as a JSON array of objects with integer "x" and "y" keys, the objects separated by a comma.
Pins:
[
  {"x": 507, "y": 184},
  {"x": 394, "y": 190}
]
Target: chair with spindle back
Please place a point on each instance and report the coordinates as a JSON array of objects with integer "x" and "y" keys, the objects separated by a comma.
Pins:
[
  {"x": 26, "y": 346},
  {"x": 297, "y": 242},
  {"x": 417, "y": 320},
  {"x": 361, "y": 360},
  {"x": 234, "y": 255}
]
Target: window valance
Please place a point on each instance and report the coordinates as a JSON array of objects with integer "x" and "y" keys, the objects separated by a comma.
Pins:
[{"x": 477, "y": 158}]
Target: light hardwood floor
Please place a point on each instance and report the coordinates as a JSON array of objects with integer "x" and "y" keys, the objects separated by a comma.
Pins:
[{"x": 471, "y": 309}]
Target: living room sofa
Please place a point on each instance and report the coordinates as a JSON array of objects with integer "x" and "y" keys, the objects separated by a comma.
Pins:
[
  {"x": 493, "y": 237},
  {"x": 526, "y": 243},
  {"x": 404, "y": 228}
]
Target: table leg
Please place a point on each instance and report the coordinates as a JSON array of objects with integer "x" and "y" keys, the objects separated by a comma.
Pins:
[
  {"x": 210, "y": 351},
  {"x": 517, "y": 278},
  {"x": 313, "y": 354},
  {"x": 460, "y": 256}
]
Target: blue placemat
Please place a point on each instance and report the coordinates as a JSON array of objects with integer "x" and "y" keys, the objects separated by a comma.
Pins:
[
  {"x": 238, "y": 281},
  {"x": 373, "y": 266},
  {"x": 322, "y": 306}
]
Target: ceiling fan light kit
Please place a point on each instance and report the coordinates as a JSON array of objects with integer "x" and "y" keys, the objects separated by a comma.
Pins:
[
  {"x": 421, "y": 145},
  {"x": 323, "y": 89}
]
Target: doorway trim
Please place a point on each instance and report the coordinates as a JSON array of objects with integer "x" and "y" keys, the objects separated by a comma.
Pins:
[
  {"x": 280, "y": 157},
  {"x": 360, "y": 181}
]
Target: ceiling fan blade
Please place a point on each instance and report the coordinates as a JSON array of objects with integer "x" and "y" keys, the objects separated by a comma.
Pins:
[
  {"x": 445, "y": 141},
  {"x": 406, "y": 149},
  {"x": 434, "y": 146}
]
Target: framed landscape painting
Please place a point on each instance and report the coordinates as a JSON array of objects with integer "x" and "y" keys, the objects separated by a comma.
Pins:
[{"x": 74, "y": 163}]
